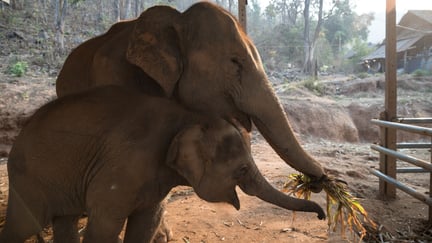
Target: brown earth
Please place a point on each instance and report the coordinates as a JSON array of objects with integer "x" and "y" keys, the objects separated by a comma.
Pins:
[{"x": 334, "y": 128}]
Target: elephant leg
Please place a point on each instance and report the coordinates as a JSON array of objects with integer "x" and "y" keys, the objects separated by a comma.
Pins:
[
  {"x": 164, "y": 233},
  {"x": 22, "y": 220},
  {"x": 103, "y": 228},
  {"x": 147, "y": 225},
  {"x": 82, "y": 231},
  {"x": 66, "y": 229}
]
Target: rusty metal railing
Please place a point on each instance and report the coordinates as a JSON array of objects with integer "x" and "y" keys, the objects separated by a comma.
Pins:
[{"x": 421, "y": 166}]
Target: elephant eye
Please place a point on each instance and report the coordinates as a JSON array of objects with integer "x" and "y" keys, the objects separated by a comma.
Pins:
[
  {"x": 236, "y": 61},
  {"x": 239, "y": 66},
  {"x": 240, "y": 172}
]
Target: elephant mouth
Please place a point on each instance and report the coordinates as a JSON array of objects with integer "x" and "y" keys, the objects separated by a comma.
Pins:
[
  {"x": 234, "y": 200},
  {"x": 231, "y": 198}
]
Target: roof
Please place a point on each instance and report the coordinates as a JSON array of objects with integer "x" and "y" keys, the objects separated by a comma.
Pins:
[
  {"x": 401, "y": 45},
  {"x": 413, "y": 26},
  {"x": 425, "y": 15}
]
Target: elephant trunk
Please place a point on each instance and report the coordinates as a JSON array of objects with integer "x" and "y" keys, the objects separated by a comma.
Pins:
[
  {"x": 254, "y": 184},
  {"x": 269, "y": 117}
]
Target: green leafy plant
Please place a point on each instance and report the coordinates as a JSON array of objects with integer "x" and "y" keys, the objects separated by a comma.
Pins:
[
  {"x": 314, "y": 86},
  {"x": 362, "y": 75},
  {"x": 18, "y": 69},
  {"x": 421, "y": 73}
]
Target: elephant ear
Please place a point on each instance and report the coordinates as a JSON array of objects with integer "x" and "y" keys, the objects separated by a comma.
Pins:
[
  {"x": 154, "y": 46},
  {"x": 185, "y": 154},
  {"x": 244, "y": 132}
]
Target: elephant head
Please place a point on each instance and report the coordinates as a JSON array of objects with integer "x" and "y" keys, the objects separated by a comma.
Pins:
[
  {"x": 203, "y": 58},
  {"x": 215, "y": 157}
]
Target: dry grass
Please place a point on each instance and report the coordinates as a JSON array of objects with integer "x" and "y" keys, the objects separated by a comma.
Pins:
[{"x": 343, "y": 209}]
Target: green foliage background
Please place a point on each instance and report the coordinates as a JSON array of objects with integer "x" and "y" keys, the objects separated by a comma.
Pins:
[{"x": 277, "y": 29}]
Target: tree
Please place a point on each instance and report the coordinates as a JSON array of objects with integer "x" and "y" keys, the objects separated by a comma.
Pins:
[
  {"x": 254, "y": 23},
  {"x": 287, "y": 11},
  {"x": 306, "y": 38},
  {"x": 310, "y": 63},
  {"x": 287, "y": 33},
  {"x": 358, "y": 49},
  {"x": 60, "y": 10},
  {"x": 338, "y": 25},
  {"x": 116, "y": 9},
  {"x": 342, "y": 25},
  {"x": 125, "y": 9},
  {"x": 17, "y": 4}
]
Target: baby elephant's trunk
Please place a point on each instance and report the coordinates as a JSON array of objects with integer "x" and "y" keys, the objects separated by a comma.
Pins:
[{"x": 254, "y": 184}]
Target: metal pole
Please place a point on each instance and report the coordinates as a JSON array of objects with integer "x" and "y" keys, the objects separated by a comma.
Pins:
[
  {"x": 413, "y": 145},
  {"x": 388, "y": 135},
  {"x": 406, "y": 127},
  {"x": 242, "y": 13},
  {"x": 410, "y": 159},
  {"x": 411, "y": 170},
  {"x": 403, "y": 187},
  {"x": 416, "y": 120}
]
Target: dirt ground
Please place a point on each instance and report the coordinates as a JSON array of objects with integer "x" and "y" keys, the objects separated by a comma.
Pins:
[{"x": 194, "y": 220}]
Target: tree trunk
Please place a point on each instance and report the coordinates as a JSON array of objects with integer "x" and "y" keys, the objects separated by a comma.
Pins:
[
  {"x": 116, "y": 8},
  {"x": 60, "y": 10},
  {"x": 306, "y": 61},
  {"x": 310, "y": 64},
  {"x": 137, "y": 8},
  {"x": 126, "y": 9},
  {"x": 315, "y": 39},
  {"x": 99, "y": 13},
  {"x": 16, "y": 4},
  {"x": 43, "y": 7}
]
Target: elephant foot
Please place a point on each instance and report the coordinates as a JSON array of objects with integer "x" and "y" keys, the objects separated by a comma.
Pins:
[
  {"x": 40, "y": 239},
  {"x": 164, "y": 233}
]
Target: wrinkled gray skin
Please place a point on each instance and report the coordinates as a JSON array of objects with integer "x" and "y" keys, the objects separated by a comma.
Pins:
[
  {"x": 115, "y": 154},
  {"x": 201, "y": 58}
]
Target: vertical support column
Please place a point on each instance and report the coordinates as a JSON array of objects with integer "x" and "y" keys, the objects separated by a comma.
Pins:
[
  {"x": 242, "y": 14},
  {"x": 388, "y": 136},
  {"x": 430, "y": 186}
]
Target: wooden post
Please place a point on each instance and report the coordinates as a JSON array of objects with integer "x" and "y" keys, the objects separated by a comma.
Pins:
[
  {"x": 388, "y": 136},
  {"x": 430, "y": 187},
  {"x": 242, "y": 14}
]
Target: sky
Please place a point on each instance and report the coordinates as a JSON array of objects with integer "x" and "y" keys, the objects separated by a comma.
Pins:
[{"x": 378, "y": 7}]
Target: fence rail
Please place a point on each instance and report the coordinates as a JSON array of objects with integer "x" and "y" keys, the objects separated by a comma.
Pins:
[
  {"x": 423, "y": 120},
  {"x": 389, "y": 180},
  {"x": 410, "y": 159},
  {"x": 403, "y": 187},
  {"x": 413, "y": 145},
  {"x": 406, "y": 127}
]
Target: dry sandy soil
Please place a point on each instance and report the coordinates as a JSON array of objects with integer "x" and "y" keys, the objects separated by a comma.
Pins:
[{"x": 333, "y": 128}]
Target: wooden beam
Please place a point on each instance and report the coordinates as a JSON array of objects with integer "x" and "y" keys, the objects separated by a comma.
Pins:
[
  {"x": 388, "y": 135},
  {"x": 242, "y": 14},
  {"x": 430, "y": 188}
]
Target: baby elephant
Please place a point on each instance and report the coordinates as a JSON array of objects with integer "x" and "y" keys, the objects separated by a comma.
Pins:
[{"x": 115, "y": 154}]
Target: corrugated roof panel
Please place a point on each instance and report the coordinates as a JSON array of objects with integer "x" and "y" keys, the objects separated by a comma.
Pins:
[{"x": 401, "y": 45}]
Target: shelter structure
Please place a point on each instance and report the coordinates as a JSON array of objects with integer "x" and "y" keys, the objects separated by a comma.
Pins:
[
  {"x": 390, "y": 122},
  {"x": 413, "y": 44}
]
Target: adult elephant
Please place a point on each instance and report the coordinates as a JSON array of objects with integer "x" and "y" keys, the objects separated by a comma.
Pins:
[{"x": 200, "y": 57}]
